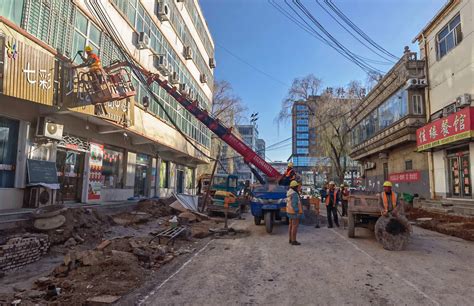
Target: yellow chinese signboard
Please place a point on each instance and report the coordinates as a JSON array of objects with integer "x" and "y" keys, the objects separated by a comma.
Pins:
[{"x": 27, "y": 71}]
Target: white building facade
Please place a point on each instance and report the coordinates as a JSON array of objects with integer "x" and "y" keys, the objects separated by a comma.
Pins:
[{"x": 143, "y": 146}]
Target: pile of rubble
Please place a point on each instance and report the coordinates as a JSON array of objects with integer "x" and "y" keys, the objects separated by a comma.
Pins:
[
  {"x": 453, "y": 225},
  {"x": 18, "y": 251}
]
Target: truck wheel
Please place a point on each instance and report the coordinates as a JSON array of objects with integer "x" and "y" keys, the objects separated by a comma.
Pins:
[
  {"x": 269, "y": 221},
  {"x": 257, "y": 220},
  {"x": 351, "y": 226}
]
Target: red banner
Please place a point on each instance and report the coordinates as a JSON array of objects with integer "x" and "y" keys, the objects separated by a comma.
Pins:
[
  {"x": 404, "y": 177},
  {"x": 448, "y": 129}
]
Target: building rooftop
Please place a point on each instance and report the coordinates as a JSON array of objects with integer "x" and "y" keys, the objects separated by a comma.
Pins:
[{"x": 449, "y": 4}]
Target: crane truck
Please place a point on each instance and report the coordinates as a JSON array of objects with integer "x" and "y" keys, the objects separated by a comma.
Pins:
[{"x": 268, "y": 202}]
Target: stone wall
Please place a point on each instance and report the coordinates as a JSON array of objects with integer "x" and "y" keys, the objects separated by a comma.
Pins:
[{"x": 22, "y": 250}]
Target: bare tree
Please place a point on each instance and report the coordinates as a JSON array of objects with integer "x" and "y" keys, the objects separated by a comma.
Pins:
[
  {"x": 301, "y": 89},
  {"x": 227, "y": 106},
  {"x": 332, "y": 115}
]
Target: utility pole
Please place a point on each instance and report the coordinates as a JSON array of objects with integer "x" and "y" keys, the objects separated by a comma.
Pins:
[{"x": 212, "y": 178}]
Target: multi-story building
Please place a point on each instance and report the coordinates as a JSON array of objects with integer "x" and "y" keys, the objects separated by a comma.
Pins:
[
  {"x": 447, "y": 46},
  {"x": 249, "y": 134},
  {"x": 384, "y": 129},
  {"x": 106, "y": 152},
  {"x": 305, "y": 154}
]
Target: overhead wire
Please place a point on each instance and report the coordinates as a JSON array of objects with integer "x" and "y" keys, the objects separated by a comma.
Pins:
[{"x": 359, "y": 31}]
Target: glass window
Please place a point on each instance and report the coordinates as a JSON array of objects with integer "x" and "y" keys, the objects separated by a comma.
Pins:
[
  {"x": 112, "y": 168},
  {"x": 189, "y": 178},
  {"x": 164, "y": 174},
  {"x": 408, "y": 165},
  {"x": 417, "y": 104},
  {"x": 301, "y": 107},
  {"x": 81, "y": 23},
  {"x": 450, "y": 36},
  {"x": 11, "y": 9},
  {"x": 302, "y": 122},
  {"x": 302, "y": 135},
  {"x": 302, "y": 129},
  {"x": 94, "y": 35},
  {"x": 302, "y": 151},
  {"x": 302, "y": 143},
  {"x": 8, "y": 149}
]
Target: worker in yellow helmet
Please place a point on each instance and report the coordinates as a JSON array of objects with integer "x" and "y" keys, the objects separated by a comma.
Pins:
[
  {"x": 294, "y": 210},
  {"x": 289, "y": 175},
  {"x": 92, "y": 61},
  {"x": 389, "y": 202}
]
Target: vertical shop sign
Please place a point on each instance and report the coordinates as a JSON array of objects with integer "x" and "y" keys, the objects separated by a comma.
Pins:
[{"x": 95, "y": 171}]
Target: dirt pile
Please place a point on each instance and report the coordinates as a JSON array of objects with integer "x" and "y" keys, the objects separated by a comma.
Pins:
[
  {"x": 457, "y": 226},
  {"x": 82, "y": 224},
  {"x": 156, "y": 207},
  {"x": 392, "y": 233}
]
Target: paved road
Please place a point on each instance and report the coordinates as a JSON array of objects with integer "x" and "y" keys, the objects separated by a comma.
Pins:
[{"x": 327, "y": 269}]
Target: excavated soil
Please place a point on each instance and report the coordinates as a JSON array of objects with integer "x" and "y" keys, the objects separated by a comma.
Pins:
[{"x": 457, "y": 226}]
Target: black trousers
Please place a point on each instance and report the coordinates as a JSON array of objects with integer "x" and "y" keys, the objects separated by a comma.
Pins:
[
  {"x": 344, "y": 208},
  {"x": 332, "y": 210}
]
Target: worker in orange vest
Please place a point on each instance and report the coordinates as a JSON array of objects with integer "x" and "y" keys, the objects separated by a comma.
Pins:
[
  {"x": 294, "y": 210},
  {"x": 288, "y": 176},
  {"x": 92, "y": 61},
  {"x": 388, "y": 201},
  {"x": 333, "y": 197}
]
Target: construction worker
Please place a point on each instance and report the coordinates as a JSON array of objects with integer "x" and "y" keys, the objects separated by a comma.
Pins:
[
  {"x": 332, "y": 199},
  {"x": 388, "y": 201},
  {"x": 289, "y": 175},
  {"x": 294, "y": 210},
  {"x": 345, "y": 199},
  {"x": 92, "y": 61}
]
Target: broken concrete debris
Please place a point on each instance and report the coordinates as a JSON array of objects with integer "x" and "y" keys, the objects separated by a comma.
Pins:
[{"x": 21, "y": 250}]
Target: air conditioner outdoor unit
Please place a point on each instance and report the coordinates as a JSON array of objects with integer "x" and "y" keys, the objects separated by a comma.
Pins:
[
  {"x": 203, "y": 78},
  {"x": 188, "y": 53},
  {"x": 161, "y": 64},
  {"x": 163, "y": 11},
  {"x": 212, "y": 63},
  {"x": 183, "y": 88},
  {"x": 449, "y": 109},
  {"x": 416, "y": 83},
  {"x": 191, "y": 94},
  {"x": 174, "y": 78},
  {"x": 143, "y": 41},
  {"x": 48, "y": 129},
  {"x": 422, "y": 82},
  {"x": 464, "y": 100}
]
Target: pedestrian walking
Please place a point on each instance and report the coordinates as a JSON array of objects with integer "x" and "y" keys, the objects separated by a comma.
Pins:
[
  {"x": 332, "y": 199},
  {"x": 345, "y": 199},
  {"x": 294, "y": 210}
]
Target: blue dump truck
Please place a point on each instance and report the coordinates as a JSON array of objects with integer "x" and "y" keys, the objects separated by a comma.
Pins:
[{"x": 268, "y": 204}]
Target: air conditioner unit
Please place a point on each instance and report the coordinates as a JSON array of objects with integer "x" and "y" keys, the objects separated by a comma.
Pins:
[
  {"x": 416, "y": 83},
  {"x": 422, "y": 82},
  {"x": 464, "y": 100},
  {"x": 203, "y": 78},
  {"x": 35, "y": 197},
  {"x": 161, "y": 64},
  {"x": 48, "y": 129},
  {"x": 163, "y": 11},
  {"x": 212, "y": 63},
  {"x": 191, "y": 94},
  {"x": 143, "y": 41},
  {"x": 174, "y": 78},
  {"x": 183, "y": 88},
  {"x": 188, "y": 53}
]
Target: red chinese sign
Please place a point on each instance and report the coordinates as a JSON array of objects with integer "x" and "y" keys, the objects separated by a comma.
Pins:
[
  {"x": 454, "y": 127},
  {"x": 412, "y": 176}
]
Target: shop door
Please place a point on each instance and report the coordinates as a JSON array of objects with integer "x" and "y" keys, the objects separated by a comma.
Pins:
[
  {"x": 70, "y": 166},
  {"x": 140, "y": 180},
  {"x": 460, "y": 176},
  {"x": 179, "y": 181}
]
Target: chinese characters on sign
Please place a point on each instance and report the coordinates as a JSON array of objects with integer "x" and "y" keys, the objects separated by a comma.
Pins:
[
  {"x": 42, "y": 77},
  {"x": 29, "y": 72},
  {"x": 405, "y": 177},
  {"x": 456, "y": 126}
]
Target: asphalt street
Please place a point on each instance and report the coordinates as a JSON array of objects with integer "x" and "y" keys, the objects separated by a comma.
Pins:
[{"x": 327, "y": 269}]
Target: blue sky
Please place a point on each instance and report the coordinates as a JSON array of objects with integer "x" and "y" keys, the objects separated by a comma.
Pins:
[{"x": 263, "y": 37}]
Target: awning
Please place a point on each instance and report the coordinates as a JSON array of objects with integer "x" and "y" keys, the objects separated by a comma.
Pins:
[{"x": 455, "y": 128}]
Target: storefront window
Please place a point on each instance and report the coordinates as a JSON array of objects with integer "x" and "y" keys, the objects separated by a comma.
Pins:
[
  {"x": 164, "y": 174},
  {"x": 112, "y": 168},
  {"x": 8, "y": 148}
]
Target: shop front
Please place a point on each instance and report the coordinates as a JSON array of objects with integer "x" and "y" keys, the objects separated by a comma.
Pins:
[{"x": 449, "y": 140}]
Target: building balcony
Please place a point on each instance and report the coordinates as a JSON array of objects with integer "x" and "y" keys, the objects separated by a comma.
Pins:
[{"x": 401, "y": 132}]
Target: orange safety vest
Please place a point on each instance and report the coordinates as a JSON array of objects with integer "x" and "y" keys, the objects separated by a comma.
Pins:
[
  {"x": 289, "y": 207},
  {"x": 328, "y": 198},
  {"x": 97, "y": 65},
  {"x": 288, "y": 172},
  {"x": 385, "y": 201}
]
